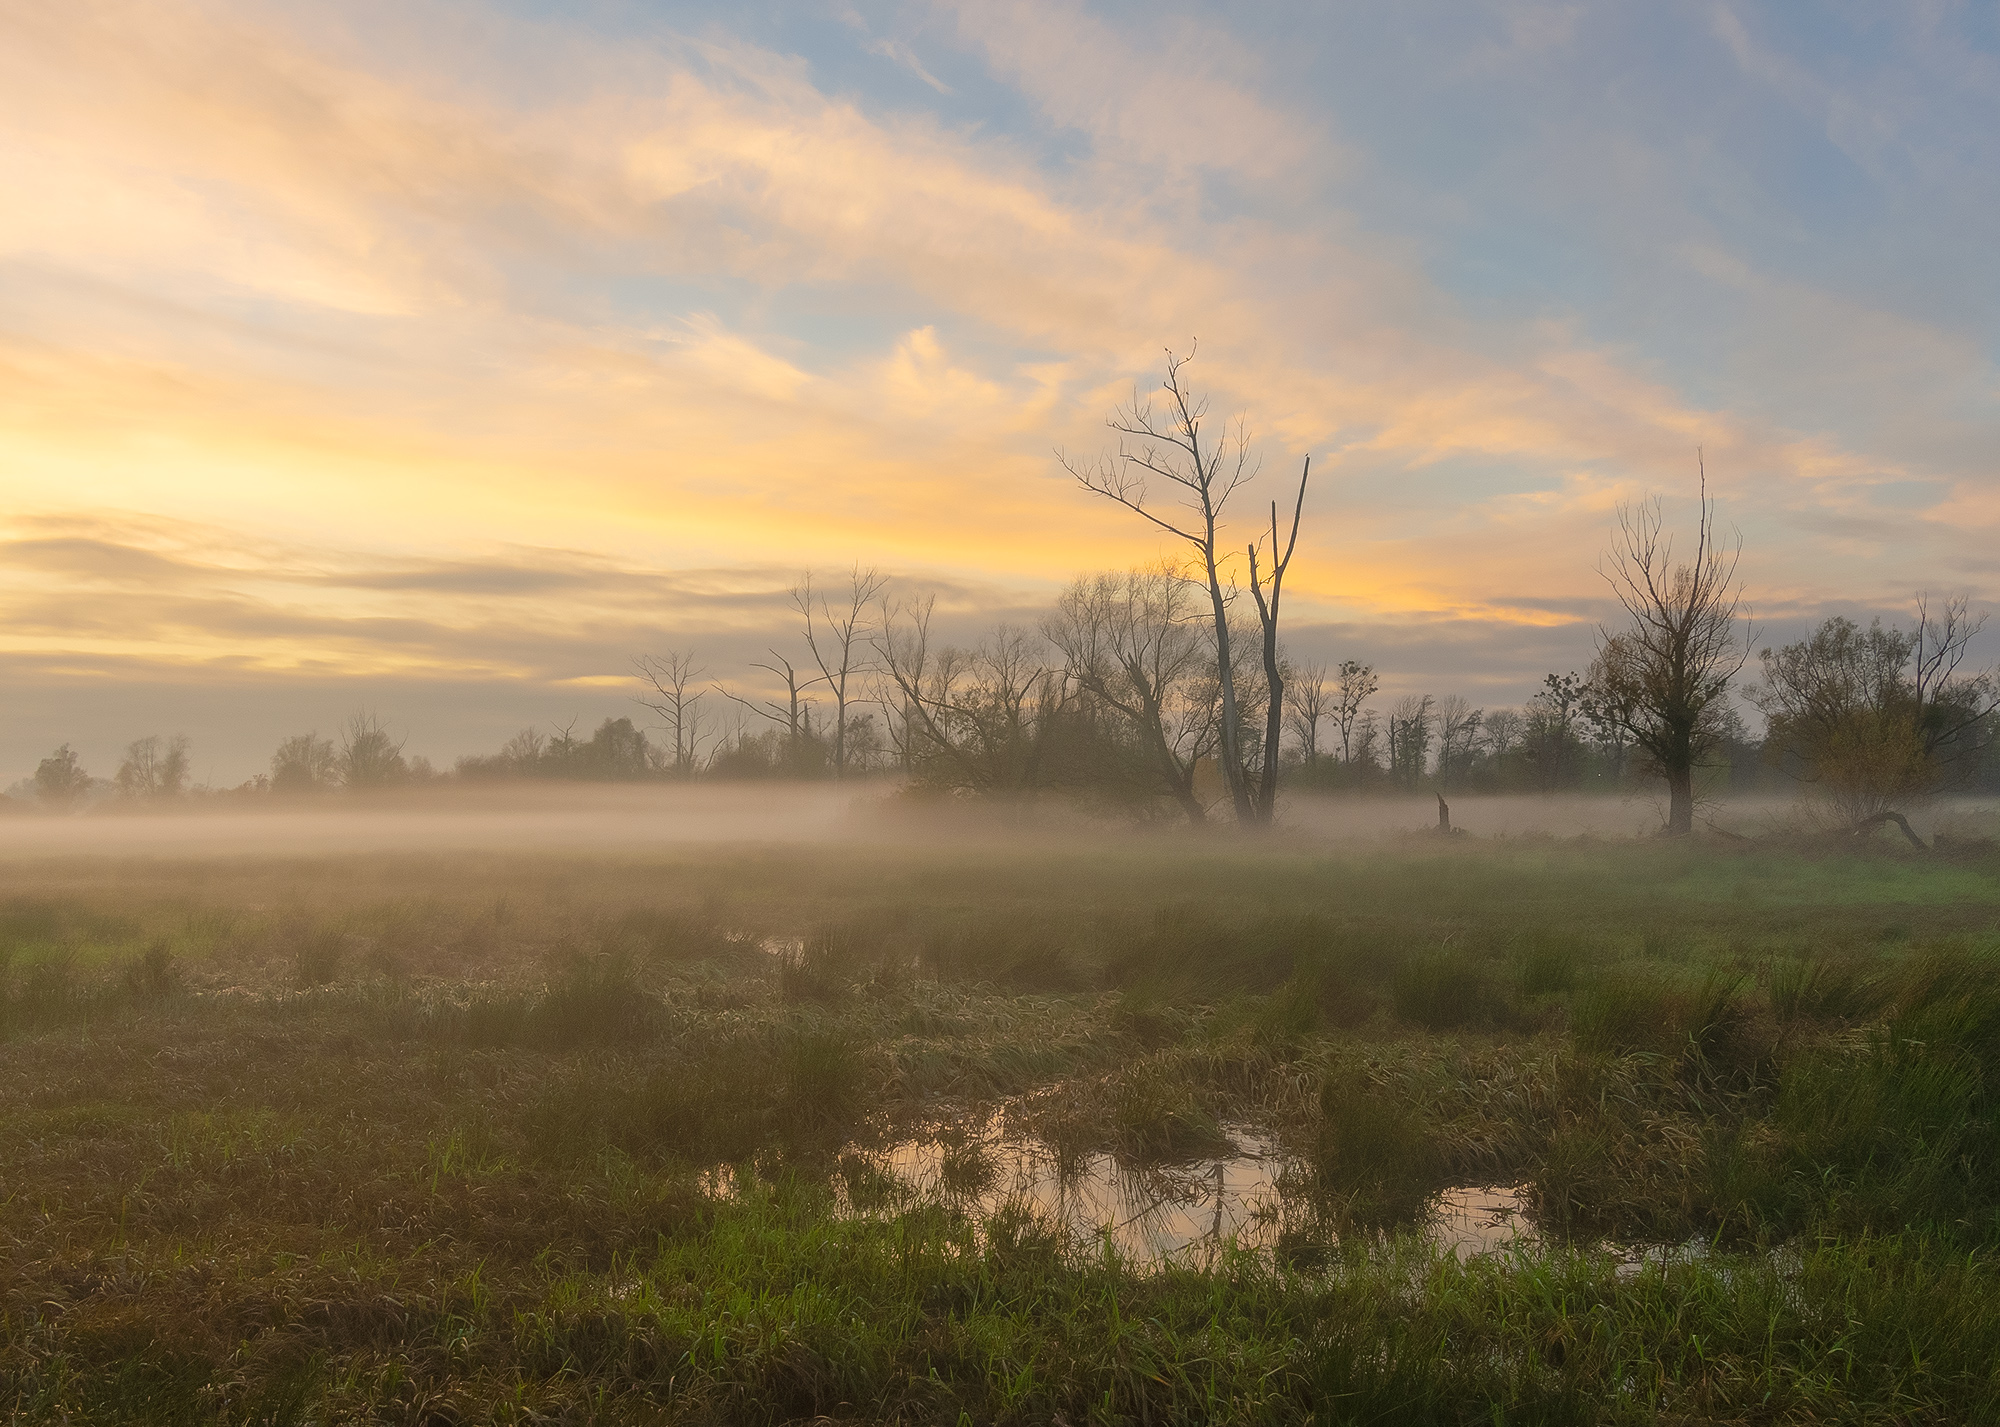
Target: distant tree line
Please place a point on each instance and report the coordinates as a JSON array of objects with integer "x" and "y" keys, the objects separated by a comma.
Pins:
[{"x": 1160, "y": 691}]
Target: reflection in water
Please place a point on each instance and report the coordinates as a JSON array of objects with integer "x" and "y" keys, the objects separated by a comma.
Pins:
[
  {"x": 1185, "y": 1214},
  {"x": 1474, "y": 1219}
]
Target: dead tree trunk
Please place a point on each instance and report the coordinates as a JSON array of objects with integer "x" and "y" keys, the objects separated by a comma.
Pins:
[{"x": 1264, "y": 799}]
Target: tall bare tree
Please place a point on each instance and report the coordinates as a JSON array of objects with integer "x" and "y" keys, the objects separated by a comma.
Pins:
[
  {"x": 1356, "y": 684},
  {"x": 1264, "y": 799},
  {"x": 671, "y": 694},
  {"x": 1664, "y": 678},
  {"x": 1204, "y": 471},
  {"x": 838, "y": 636}
]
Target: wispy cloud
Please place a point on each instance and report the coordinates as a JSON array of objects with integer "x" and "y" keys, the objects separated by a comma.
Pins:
[
  {"x": 902, "y": 54},
  {"x": 406, "y": 354}
]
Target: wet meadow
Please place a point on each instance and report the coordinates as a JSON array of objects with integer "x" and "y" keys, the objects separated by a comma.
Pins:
[{"x": 1056, "y": 1129}]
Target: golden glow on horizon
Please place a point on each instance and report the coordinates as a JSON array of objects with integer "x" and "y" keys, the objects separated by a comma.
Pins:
[{"x": 301, "y": 305}]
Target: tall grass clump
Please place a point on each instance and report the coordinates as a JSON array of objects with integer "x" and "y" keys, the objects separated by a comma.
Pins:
[
  {"x": 43, "y": 992},
  {"x": 817, "y": 969},
  {"x": 592, "y": 1001},
  {"x": 1546, "y": 965},
  {"x": 1375, "y": 1160},
  {"x": 1904, "y": 1131},
  {"x": 1842, "y": 989},
  {"x": 1445, "y": 990},
  {"x": 154, "y": 974},
  {"x": 318, "y": 954}
]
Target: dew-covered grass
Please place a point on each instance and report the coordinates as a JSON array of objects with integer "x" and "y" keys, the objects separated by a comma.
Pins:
[{"x": 729, "y": 1135}]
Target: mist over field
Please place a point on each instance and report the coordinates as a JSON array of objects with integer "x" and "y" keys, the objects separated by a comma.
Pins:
[
  {"x": 636, "y": 820},
  {"x": 1036, "y": 713}
]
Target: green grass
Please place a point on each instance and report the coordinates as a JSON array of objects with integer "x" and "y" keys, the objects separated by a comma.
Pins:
[{"x": 437, "y": 1139}]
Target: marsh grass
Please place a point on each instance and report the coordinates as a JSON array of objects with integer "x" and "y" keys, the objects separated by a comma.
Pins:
[
  {"x": 1376, "y": 1160},
  {"x": 475, "y": 1171}
]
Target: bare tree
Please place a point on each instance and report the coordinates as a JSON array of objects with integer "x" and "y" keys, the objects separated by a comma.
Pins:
[
  {"x": 1503, "y": 731},
  {"x": 1458, "y": 738},
  {"x": 1172, "y": 447},
  {"x": 305, "y": 763},
  {"x": 1264, "y": 800},
  {"x": 1951, "y": 704},
  {"x": 839, "y": 638},
  {"x": 979, "y": 720},
  {"x": 1664, "y": 677},
  {"x": 670, "y": 679},
  {"x": 1410, "y": 730},
  {"x": 1133, "y": 643},
  {"x": 1356, "y": 685},
  {"x": 1309, "y": 692},
  {"x": 1367, "y": 734},
  {"x": 794, "y": 715},
  {"x": 154, "y": 767},
  {"x": 369, "y": 757}
]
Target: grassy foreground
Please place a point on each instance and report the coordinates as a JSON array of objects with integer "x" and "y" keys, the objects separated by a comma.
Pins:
[{"x": 433, "y": 1139}]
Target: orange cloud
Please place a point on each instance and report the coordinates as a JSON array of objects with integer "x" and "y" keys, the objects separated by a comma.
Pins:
[{"x": 263, "y": 282}]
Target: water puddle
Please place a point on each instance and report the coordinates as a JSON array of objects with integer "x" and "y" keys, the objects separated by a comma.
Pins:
[
  {"x": 1181, "y": 1214},
  {"x": 1476, "y": 1219},
  {"x": 1184, "y": 1214}
]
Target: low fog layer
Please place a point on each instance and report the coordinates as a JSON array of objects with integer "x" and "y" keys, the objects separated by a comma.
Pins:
[{"x": 633, "y": 818}]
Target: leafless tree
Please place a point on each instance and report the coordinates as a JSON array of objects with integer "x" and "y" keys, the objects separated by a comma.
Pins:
[
  {"x": 1663, "y": 678},
  {"x": 1204, "y": 471},
  {"x": 839, "y": 640},
  {"x": 1410, "y": 730},
  {"x": 1308, "y": 690},
  {"x": 305, "y": 763},
  {"x": 1367, "y": 733},
  {"x": 977, "y": 720},
  {"x": 794, "y": 715},
  {"x": 1943, "y": 640},
  {"x": 1355, "y": 685},
  {"x": 1133, "y": 642},
  {"x": 369, "y": 757},
  {"x": 1264, "y": 796},
  {"x": 669, "y": 681},
  {"x": 1458, "y": 738},
  {"x": 1503, "y": 731},
  {"x": 154, "y": 767}
]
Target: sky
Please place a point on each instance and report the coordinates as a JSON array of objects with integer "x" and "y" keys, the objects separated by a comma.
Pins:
[{"x": 441, "y": 358}]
